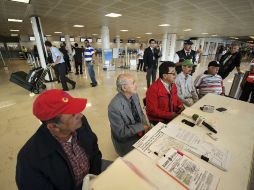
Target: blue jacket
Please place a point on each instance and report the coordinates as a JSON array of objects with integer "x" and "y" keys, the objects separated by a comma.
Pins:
[{"x": 43, "y": 165}]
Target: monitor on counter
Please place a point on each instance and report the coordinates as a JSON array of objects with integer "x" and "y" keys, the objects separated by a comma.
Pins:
[
  {"x": 62, "y": 39},
  {"x": 32, "y": 38}
]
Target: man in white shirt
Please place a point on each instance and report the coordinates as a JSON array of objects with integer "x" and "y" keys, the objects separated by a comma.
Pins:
[
  {"x": 57, "y": 57},
  {"x": 185, "y": 86},
  {"x": 186, "y": 53}
]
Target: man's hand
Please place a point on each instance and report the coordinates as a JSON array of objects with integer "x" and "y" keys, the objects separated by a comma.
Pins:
[
  {"x": 180, "y": 109},
  {"x": 53, "y": 64},
  {"x": 147, "y": 128}
]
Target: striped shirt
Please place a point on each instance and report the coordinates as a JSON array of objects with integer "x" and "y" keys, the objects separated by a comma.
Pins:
[
  {"x": 88, "y": 53},
  {"x": 206, "y": 83}
]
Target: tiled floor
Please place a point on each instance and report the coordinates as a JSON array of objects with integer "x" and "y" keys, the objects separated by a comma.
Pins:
[{"x": 18, "y": 124}]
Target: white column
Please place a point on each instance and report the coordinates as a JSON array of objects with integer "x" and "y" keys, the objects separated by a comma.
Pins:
[
  {"x": 68, "y": 44},
  {"x": 201, "y": 43},
  {"x": 165, "y": 48},
  {"x": 39, "y": 39},
  {"x": 118, "y": 42},
  {"x": 105, "y": 37},
  {"x": 172, "y": 45}
]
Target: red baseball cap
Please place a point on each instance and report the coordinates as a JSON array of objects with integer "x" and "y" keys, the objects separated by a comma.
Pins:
[{"x": 55, "y": 102}]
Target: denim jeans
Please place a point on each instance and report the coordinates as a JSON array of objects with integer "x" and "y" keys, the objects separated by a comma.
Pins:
[{"x": 90, "y": 69}]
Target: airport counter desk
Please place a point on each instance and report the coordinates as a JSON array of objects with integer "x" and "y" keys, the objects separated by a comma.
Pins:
[{"x": 235, "y": 128}]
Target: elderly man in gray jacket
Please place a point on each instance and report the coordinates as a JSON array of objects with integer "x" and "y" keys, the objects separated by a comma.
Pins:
[{"x": 127, "y": 120}]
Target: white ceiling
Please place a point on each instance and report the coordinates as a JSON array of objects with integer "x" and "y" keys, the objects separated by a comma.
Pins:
[{"x": 222, "y": 17}]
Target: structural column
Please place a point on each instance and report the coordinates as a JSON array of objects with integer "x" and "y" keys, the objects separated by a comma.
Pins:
[
  {"x": 168, "y": 47},
  {"x": 39, "y": 39},
  {"x": 68, "y": 44},
  {"x": 105, "y": 40}
]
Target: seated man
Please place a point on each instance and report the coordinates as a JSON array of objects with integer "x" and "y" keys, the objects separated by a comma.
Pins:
[
  {"x": 162, "y": 101},
  {"x": 185, "y": 87},
  {"x": 127, "y": 120},
  {"x": 210, "y": 81},
  {"x": 63, "y": 150}
]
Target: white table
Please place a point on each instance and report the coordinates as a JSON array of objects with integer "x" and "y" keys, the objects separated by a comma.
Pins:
[{"x": 235, "y": 132}]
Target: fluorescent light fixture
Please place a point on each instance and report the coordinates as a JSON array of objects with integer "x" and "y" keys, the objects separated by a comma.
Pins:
[
  {"x": 14, "y": 34},
  {"x": 187, "y": 30},
  {"x": 124, "y": 30},
  {"x": 232, "y": 37},
  {"x": 114, "y": 15},
  {"x": 149, "y": 33},
  {"x": 14, "y": 20},
  {"x": 48, "y": 35},
  {"x": 138, "y": 37},
  {"x": 252, "y": 37},
  {"x": 14, "y": 30},
  {"x": 236, "y": 38},
  {"x": 58, "y": 32},
  {"x": 164, "y": 25},
  {"x": 214, "y": 35},
  {"x": 21, "y": 1},
  {"x": 95, "y": 34},
  {"x": 78, "y": 26},
  {"x": 204, "y": 33}
]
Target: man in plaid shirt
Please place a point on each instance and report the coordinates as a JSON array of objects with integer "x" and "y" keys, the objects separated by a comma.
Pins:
[{"x": 63, "y": 150}]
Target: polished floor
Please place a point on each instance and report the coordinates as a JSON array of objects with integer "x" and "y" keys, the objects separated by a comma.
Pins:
[{"x": 18, "y": 124}]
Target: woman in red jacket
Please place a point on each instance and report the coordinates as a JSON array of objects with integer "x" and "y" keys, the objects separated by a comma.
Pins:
[{"x": 162, "y": 101}]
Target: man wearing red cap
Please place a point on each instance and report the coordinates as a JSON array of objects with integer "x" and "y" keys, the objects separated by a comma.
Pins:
[{"x": 63, "y": 150}]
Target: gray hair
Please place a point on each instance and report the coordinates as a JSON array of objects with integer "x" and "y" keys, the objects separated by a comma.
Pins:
[{"x": 120, "y": 81}]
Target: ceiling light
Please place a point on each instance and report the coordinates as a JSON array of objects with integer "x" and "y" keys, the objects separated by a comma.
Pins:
[
  {"x": 124, "y": 30},
  {"x": 114, "y": 15},
  {"x": 232, "y": 37},
  {"x": 58, "y": 32},
  {"x": 78, "y": 26},
  {"x": 204, "y": 33},
  {"x": 14, "y": 20},
  {"x": 14, "y": 34},
  {"x": 21, "y": 1},
  {"x": 149, "y": 33},
  {"x": 14, "y": 30},
  {"x": 214, "y": 35},
  {"x": 236, "y": 38},
  {"x": 164, "y": 25},
  {"x": 187, "y": 30},
  {"x": 252, "y": 37},
  {"x": 138, "y": 37},
  {"x": 95, "y": 34},
  {"x": 48, "y": 35}
]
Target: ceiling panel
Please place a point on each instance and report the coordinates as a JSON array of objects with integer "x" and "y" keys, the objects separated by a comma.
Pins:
[{"x": 224, "y": 17}]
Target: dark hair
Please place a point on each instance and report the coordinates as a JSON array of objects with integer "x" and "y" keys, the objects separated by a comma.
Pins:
[
  {"x": 55, "y": 120},
  {"x": 48, "y": 43},
  {"x": 76, "y": 44},
  {"x": 87, "y": 40},
  {"x": 150, "y": 41},
  {"x": 163, "y": 68}
]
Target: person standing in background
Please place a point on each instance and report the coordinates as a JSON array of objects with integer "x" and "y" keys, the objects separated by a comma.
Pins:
[
  {"x": 77, "y": 54},
  {"x": 65, "y": 56},
  {"x": 186, "y": 53},
  {"x": 90, "y": 61},
  {"x": 151, "y": 56},
  {"x": 59, "y": 63},
  {"x": 140, "y": 58}
]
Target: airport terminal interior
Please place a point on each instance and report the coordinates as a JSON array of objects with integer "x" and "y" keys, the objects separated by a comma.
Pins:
[{"x": 209, "y": 26}]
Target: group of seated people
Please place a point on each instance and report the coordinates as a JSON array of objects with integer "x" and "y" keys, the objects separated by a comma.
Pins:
[{"x": 64, "y": 149}]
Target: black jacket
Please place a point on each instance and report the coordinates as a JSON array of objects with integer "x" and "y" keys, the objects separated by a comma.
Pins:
[
  {"x": 148, "y": 58},
  {"x": 43, "y": 165},
  {"x": 78, "y": 55},
  {"x": 231, "y": 63},
  {"x": 182, "y": 56}
]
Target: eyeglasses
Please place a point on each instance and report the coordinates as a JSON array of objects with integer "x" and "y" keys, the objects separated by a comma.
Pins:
[{"x": 171, "y": 73}]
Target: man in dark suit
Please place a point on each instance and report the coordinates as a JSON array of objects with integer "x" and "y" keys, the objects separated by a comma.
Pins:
[
  {"x": 63, "y": 150},
  {"x": 229, "y": 61},
  {"x": 127, "y": 120},
  {"x": 77, "y": 54},
  {"x": 150, "y": 58},
  {"x": 185, "y": 53}
]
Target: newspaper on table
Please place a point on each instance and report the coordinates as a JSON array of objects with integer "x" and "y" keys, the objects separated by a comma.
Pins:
[
  {"x": 187, "y": 172},
  {"x": 196, "y": 145},
  {"x": 155, "y": 143}
]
